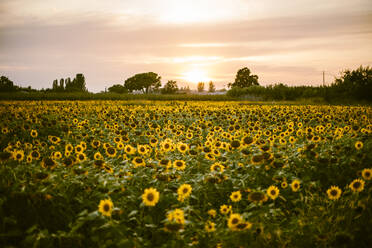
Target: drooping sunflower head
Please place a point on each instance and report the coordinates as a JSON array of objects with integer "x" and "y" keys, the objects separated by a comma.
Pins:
[{"x": 257, "y": 197}]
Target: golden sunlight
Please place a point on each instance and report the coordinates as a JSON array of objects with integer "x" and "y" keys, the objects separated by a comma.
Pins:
[{"x": 196, "y": 76}]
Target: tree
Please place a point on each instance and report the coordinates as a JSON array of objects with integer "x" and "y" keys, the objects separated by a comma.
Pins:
[
  {"x": 118, "y": 88},
  {"x": 244, "y": 79},
  {"x": 170, "y": 87},
  {"x": 6, "y": 85},
  {"x": 356, "y": 84},
  {"x": 145, "y": 82},
  {"x": 212, "y": 88},
  {"x": 77, "y": 84},
  {"x": 200, "y": 87},
  {"x": 61, "y": 85}
]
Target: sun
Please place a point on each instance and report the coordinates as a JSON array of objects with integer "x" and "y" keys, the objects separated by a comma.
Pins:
[{"x": 196, "y": 76}]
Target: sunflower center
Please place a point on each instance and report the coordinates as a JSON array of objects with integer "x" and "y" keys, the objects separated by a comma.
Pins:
[
  {"x": 356, "y": 185},
  {"x": 334, "y": 192},
  {"x": 106, "y": 207},
  {"x": 235, "y": 221},
  {"x": 150, "y": 197},
  {"x": 185, "y": 190},
  {"x": 272, "y": 192}
]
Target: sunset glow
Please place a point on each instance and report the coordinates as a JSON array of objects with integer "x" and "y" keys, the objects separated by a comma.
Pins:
[
  {"x": 195, "y": 76},
  {"x": 291, "y": 42}
]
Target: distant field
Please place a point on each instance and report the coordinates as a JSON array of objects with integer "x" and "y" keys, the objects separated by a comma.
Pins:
[{"x": 143, "y": 173}]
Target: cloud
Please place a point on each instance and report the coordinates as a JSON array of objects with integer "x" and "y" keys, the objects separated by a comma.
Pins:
[{"x": 108, "y": 48}]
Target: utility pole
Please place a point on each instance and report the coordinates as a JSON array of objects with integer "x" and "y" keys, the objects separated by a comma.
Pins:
[{"x": 323, "y": 79}]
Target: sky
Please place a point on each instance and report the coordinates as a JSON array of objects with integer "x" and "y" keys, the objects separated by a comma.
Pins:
[{"x": 287, "y": 41}]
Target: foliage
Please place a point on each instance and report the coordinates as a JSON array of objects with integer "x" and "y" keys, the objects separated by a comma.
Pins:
[
  {"x": 170, "y": 87},
  {"x": 6, "y": 85},
  {"x": 118, "y": 88},
  {"x": 146, "y": 82},
  {"x": 356, "y": 84},
  {"x": 200, "y": 87},
  {"x": 61, "y": 162},
  {"x": 66, "y": 85},
  {"x": 244, "y": 79},
  {"x": 211, "y": 88}
]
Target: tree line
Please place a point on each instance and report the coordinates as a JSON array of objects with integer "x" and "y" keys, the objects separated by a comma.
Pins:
[{"x": 351, "y": 85}]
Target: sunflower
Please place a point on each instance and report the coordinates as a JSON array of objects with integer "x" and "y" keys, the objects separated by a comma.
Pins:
[
  {"x": 217, "y": 167},
  {"x": 68, "y": 162},
  {"x": 105, "y": 207},
  {"x": 176, "y": 216},
  {"x": 130, "y": 149},
  {"x": 224, "y": 209},
  {"x": 48, "y": 163},
  {"x": 33, "y": 133},
  {"x": 137, "y": 161},
  {"x": 210, "y": 157},
  {"x": 295, "y": 185},
  {"x": 357, "y": 185},
  {"x": 111, "y": 152},
  {"x": 179, "y": 164},
  {"x": 79, "y": 149},
  {"x": 35, "y": 154},
  {"x": 284, "y": 184},
  {"x": 212, "y": 213},
  {"x": 334, "y": 193},
  {"x": 182, "y": 147},
  {"x": 233, "y": 221},
  {"x": 256, "y": 159},
  {"x": 166, "y": 145},
  {"x": 367, "y": 174},
  {"x": 257, "y": 197},
  {"x": 235, "y": 144},
  {"x": 236, "y": 196},
  {"x": 57, "y": 155},
  {"x": 29, "y": 159},
  {"x": 165, "y": 163},
  {"x": 150, "y": 197},
  {"x": 141, "y": 149},
  {"x": 273, "y": 192},
  {"x": 97, "y": 156},
  {"x": 69, "y": 148},
  {"x": 153, "y": 142},
  {"x": 81, "y": 157},
  {"x": 244, "y": 225},
  {"x": 18, "y": 155},
  {"x": 210, "y": 226},
  {"x": 184, "y": 191},
  {"x": 95, "y": 143},
  {"x": 358, "y": 145}
]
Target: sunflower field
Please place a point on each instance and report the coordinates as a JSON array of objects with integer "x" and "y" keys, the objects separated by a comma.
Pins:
[{"x": 184, "y": 174}]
